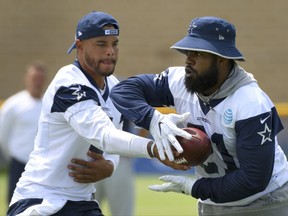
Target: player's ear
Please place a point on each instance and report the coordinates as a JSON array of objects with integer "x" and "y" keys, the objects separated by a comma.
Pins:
[
  {"x": 223, "y": 62},
  {"x": 79, "y": 45}
]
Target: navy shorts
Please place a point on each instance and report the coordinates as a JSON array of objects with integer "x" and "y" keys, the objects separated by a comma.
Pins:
[
  {"x": 16, "y": 168},
  {"x": 75, "y": 208}
]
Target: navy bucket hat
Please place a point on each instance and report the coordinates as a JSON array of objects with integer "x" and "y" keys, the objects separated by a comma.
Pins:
[
  {"x": 213, "y": 35},
  {"x": 91, "y": 25}
]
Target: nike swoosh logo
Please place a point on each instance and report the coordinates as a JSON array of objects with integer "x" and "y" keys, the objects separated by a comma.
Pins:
[{"x": 263, "y": 120}]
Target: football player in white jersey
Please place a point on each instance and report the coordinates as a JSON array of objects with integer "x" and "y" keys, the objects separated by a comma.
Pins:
[
  {"x": 19, "y": 117},
  {"x": 247, "y": 172},
  {"x": 77, "y": 116}
]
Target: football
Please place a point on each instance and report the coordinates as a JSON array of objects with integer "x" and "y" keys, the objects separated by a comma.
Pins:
[{"x": 196, "y": 150}]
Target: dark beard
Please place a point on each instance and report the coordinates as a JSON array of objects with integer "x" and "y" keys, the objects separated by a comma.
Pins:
[
  {"x": 95, "y": 66},
  {"x": 205, "y": 81}
]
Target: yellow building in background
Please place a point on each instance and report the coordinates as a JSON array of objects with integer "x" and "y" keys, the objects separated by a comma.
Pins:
[{"x": 45, "y": 30}]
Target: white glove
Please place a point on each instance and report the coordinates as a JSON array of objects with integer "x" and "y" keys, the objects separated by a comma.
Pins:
[
  {"x": 179, "y": 184},
  {"x": 163, "y": 128}
]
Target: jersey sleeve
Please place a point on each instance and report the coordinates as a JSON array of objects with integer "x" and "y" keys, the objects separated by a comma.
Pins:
[
  {"x": 136, "y": 97},
  {"x": 67, "y": 96}
]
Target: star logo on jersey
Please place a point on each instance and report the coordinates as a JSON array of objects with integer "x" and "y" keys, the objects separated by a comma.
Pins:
[
  {"x": 265, "y": 134},
  {"x": 191, "y": 27},
  {"x": 78, "y": 92},
  {"x": 159, "y": 76}
]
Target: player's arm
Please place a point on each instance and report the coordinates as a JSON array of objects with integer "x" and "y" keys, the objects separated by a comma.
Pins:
[
  {"x": 135, "y": 99},
  {"x": 93, "y": 124},
  {"x": 83, "y": 112},
  {"x": 106, "y": 137},
  {"x": 100, "y": 168}
]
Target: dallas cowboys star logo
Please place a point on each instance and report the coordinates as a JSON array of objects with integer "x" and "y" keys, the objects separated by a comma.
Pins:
[
  {"x": 78, "y": 92},
  {"x": 191, "y": 27},
  {"x": 265, "y": 134}
]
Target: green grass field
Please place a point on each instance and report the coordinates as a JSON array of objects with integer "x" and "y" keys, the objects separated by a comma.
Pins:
[
  {"x": 3, "y": 192},
  {"x": 148, "y": 203}
]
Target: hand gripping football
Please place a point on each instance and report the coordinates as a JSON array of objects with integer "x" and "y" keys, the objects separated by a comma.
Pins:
[{"x": 196, "y": 150}]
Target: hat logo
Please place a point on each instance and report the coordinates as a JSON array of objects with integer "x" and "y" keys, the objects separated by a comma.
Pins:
[
  {"x": 79, "y": 33},
  {"x": 221, "y": 37},
  {"x": 191, "y": 27},
  {"x": 111, "y": 32}
]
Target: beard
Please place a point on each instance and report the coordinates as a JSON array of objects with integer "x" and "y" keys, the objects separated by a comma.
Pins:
[
  {"x": 203, "y": 82},
  {"x": 96, "y": 66}
]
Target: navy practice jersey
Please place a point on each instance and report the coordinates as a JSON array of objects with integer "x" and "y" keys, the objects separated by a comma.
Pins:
[
  {"x": 75, "y": 115},
  {"x": 246, "y": 161}
]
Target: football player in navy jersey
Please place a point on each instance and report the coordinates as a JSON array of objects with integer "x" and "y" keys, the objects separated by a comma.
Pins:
[
  {"x": 78, "y": 119},
  {"x": 247, "y": 172}
]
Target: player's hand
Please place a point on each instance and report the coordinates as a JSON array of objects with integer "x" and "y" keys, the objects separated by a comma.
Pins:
[
  {"x": 164, "y": 130},
  {"x": 178, "y": 184},
  {"x": 167, "y": 162},
  {"x": 174, "y": 165},
  {"x": 91, "y": 171}
]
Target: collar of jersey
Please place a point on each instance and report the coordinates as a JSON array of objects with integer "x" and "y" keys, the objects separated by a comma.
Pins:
[
  {"x": 206, "y": 107},
  {"x": 91, "y": 80}
]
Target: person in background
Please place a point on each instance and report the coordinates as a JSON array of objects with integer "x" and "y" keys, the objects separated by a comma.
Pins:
[
  {"x": 19, "y": 117},
  {"x": 247, "y": 172},
  {"x": 78, "y": 121}
]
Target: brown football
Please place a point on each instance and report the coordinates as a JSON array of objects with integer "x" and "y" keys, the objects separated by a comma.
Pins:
[{"x": 196, "y": 150}]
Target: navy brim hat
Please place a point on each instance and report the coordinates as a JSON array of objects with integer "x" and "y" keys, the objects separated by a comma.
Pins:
[
  {"x": 92, "y": 25},
  {"x": 212, "y": 35}
]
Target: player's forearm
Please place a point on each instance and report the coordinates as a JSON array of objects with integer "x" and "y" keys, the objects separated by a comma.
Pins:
[
  {"x": 241, "y": 183},
  {"x": 126, "y": 144}
]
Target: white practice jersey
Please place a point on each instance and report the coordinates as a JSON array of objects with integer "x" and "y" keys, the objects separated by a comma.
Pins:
[
  {"x": 74, "y": 116},
  {"x": 246, "y": 161},
  {"x": 18, "y": 125}
]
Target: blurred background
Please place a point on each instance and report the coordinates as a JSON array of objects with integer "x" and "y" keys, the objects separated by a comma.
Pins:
[{"x": 44, "y": 30}]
